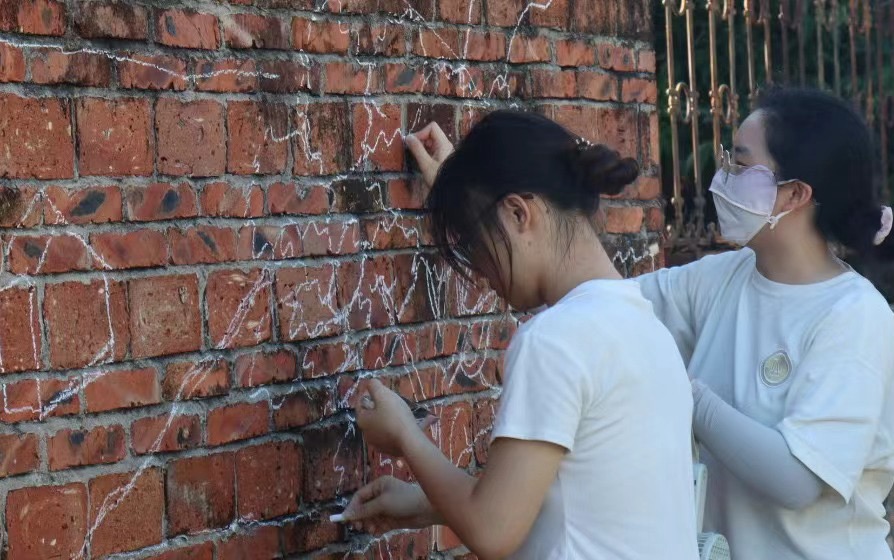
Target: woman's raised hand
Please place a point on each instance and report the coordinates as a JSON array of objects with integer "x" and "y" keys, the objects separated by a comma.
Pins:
[{"x": 430, "y": 146}]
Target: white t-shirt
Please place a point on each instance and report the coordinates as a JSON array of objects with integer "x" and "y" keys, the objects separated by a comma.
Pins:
[
  {"x": 814, "y": 361},
  {"x": 599, "y": 375}
]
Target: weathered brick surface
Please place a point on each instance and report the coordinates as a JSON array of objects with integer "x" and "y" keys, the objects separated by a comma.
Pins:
[{"x": 211, "y": 231}]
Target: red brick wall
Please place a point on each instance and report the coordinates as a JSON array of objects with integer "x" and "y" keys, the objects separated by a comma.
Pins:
[{"x": 213, "y": 233}]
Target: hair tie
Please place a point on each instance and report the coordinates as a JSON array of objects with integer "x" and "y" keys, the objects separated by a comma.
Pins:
[
  {"x": 583, "y": 143},
  {"x": 887, "y": 224}
]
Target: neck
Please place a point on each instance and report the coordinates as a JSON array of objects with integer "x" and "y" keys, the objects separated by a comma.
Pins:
[
  {"x": 797, "y": 258},
  {"x": 586, "y": 260}
]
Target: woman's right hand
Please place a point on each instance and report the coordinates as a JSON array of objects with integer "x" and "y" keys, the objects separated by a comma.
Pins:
[
  {"x": 430, "y": 146},
  {"x": 386, "y": 504}
]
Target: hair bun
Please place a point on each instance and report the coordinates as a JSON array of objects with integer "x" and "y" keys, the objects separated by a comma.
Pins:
[{"x": 604, "y": 170}]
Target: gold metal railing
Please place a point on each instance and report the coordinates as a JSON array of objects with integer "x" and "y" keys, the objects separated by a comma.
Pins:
[{"x": 788, "y": 41}]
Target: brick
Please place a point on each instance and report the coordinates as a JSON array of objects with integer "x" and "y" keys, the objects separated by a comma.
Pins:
[
  {"x": 261, "y": 543},
  {"x": 263, "y": 368},
  {"x": 92, "y": 205},
  {"x": 237, "y": 422},
  {"x": 18, "y": 454},
  {"x": 36, "y": 136},
  {"x": 360, "y": 284},
  {"x": 321, "y": 139},
  {"x": 310, "y": 534},
  {"x": 87, "y": 324},
  {"x": 178, "y": 125},
  {"x": 445, "y": 539},
  {"x": 646, "y": 188},
  {"x": 623, "y": 219},
  {"x": 639, "y": 90},
  {"x": 48, "y": 254},
  {"x": 114, "y": 137},
  {"x": 465, "y": 82},
  {"x": 187, "y": 29},
  {"x": 614, "y": 18},
  {"x": 551, "y": 83},
  {"x": 575, "y": 53},
  {"x": 202, "y": 245},
  {"x": 30, "y": 400},
  {"x": 126, "y": 511},
  {"x": 378, "y": 140},
  {"x": 34, "y": 17},
  {"x": 320, "y": 37},
  {"x": 230, "y": 201},
  {"x": 250, "y": 31},
  {"x": 616, "y": 128},
  {"x": 152, "y": 72},
  {"x": 191, "y": 380},
  {"x": 293, "y": 199},
  {"x": 411, "y": 276},
  {"x": 331, "y": 237},
  {"x": 352, "y": 79},
  {"x": 164, "y": 434},
  {"x": 269, "y": 243},
  {"x": 268, "y": 480},
  {"x": 423, "y": 9},
  {"x": 123, "y": 389},
  {"x": 52, "y": 67},
  {"x": 200, "y": 494},
  {"x": 287, "y": 76},
  {"x": 238, "y": 308},
  {"x": 112, "y": 20},
  {"x": 393, "y": 232},
  {"x": 306, "y": 302},
  {"x": 358, "y": 196},
  {"x": 12, "y": 64},
  {"x": 654, "y": 219},
  {"x": 460, "y": 11},
  {"x": 437, "y": 43},
  {"x": 227, "y": 76},
  {"x": 597, "y": 86},
  {"x": 137, "y": 249},
  {"x": 327, "y": 451},
  {"x": 504, "y": 13},
  {"x": 405, "y": 195},
  {"x": 204, "y": 551},
  {"x": 20, "y": 207},
  {"x": 454, "y": 434},
  {"x": 652, "y": 148},
  {"x": 615, "y": 57},
  {"x": 401, "y": 78},
  {"x": 486, "y": 46},
  {"x": 75, "y": 448},
  {"x": 329, "y": 358},
  {"x": 554, "y": 14},
  {"x": 645, "y": 61},
  {"x": 161, "y": 201},
  {"x": 304, "y": 407},
  {"x": 523, "y": 49},
  {"x": 35, "y": 513},
  {"x": 258, "y": 138},
  {"x": 164, "y": 315},
  {"x": 386, "y": 40},
  {"x": 485, "y": 410}
]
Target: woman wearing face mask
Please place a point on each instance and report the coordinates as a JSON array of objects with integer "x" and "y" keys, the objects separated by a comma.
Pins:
[
  {"x": 791, "y": 352},
  {"x": 590, "y": 456}
]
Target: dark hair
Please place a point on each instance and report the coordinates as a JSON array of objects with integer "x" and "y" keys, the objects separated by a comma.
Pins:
[
  {"x": 821, "y": 140},
  {"x": 513, "y": 152}
]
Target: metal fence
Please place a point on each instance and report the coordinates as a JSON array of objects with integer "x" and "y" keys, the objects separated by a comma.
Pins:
[{"x": 716, "y": 56}]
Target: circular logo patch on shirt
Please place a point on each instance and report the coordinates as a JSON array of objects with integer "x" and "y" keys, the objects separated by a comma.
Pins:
[{"x": 776, "y": 369}]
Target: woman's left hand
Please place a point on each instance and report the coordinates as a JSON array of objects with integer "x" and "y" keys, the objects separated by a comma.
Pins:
[{"x": 385, "y": 418}]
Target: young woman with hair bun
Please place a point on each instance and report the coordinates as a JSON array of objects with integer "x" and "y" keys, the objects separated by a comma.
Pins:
[{"x": 591, "y": 449}]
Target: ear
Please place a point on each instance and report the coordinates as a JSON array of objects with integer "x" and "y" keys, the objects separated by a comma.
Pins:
[
  {"x": 800, "y": 194},
  {"x": 516, "y": 213}
]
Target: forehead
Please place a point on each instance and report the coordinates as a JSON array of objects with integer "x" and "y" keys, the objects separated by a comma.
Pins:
[{"x": 750, "y": 135}]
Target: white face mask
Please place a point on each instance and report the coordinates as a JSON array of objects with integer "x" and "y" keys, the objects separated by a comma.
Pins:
[{"x": 745, "y": 197}]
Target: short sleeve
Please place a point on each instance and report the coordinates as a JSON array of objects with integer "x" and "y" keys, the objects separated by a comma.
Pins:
[
  {"x": 834, "y": 407},
  {"x": 544, "y": 392}
]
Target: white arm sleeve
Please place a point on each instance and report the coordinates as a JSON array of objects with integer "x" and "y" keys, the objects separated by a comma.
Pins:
[{"x": 756, "y": 454}]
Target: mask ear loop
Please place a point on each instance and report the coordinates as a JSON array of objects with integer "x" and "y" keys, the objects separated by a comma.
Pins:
[{"x": 774, "y": 220}]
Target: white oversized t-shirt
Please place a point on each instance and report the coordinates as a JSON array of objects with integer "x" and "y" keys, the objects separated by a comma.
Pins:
[
  {"x": 599, "y": 375},
  {"x": 814, "y": 361}
]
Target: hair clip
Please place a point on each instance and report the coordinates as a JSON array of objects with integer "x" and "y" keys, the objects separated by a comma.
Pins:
[{"x": 583, "y": 143}]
